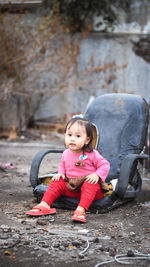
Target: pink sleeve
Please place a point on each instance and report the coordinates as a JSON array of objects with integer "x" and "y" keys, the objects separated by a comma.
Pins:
[
  {"x": 61, "y": 168},
  {"x": 102, "y": 166}
]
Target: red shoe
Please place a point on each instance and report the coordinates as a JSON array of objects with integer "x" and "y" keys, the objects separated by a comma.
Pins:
[
  {"x": 79, "y": 216},
  {"x": 42, "y": 211}
]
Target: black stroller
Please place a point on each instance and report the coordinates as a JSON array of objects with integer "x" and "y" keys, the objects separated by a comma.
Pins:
[{"x": 120, "y": 123}]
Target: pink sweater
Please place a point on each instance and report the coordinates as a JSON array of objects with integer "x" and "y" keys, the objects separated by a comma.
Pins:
[{"x": 93, "y": 163}]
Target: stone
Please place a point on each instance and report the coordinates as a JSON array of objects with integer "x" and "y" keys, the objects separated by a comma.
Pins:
[{"x": 76, "y": 243}]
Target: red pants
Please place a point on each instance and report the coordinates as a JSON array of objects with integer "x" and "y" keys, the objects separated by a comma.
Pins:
[{"x": 88, "y": 193}]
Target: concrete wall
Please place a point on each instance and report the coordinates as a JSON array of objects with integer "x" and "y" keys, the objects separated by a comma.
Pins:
[{"x": 130, "y": 73}]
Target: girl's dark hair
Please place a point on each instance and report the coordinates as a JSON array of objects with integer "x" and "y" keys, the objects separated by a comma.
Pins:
[{"x": 88, "y": 128}]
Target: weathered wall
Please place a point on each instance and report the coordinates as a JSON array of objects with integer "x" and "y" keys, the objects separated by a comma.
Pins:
[
  {"x": 134, "y": 77},
  {"x": 118, "y": 48},
  {"x": 130, "y": 72}
]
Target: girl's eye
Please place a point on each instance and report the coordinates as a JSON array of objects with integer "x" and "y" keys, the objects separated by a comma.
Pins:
[
  {"x": 69, "y": 134},
  {"x": 78, "y": 135}
]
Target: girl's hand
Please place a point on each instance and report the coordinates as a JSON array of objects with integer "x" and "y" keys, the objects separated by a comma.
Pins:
[
  {"x": 92, "y": 178},
  {"x": 58, "y": 176}
]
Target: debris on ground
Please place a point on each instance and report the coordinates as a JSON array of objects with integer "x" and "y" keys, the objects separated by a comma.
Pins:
[{"x": 55, "y": 240}]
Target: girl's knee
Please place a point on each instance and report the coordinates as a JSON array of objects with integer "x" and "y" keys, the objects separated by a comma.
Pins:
[
  {"x": 57, "y": 184},
  {"x": 89, "y": 186}
]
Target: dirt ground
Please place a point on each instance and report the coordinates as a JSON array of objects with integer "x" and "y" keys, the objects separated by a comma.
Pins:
[{"x": 56, "y": 240}]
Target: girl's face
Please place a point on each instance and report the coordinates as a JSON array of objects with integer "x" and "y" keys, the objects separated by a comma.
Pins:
[{"x": 76, "y": 137}]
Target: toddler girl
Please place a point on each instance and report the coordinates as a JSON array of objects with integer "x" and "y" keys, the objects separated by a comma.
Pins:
[{"x": 81, "y": 171}]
